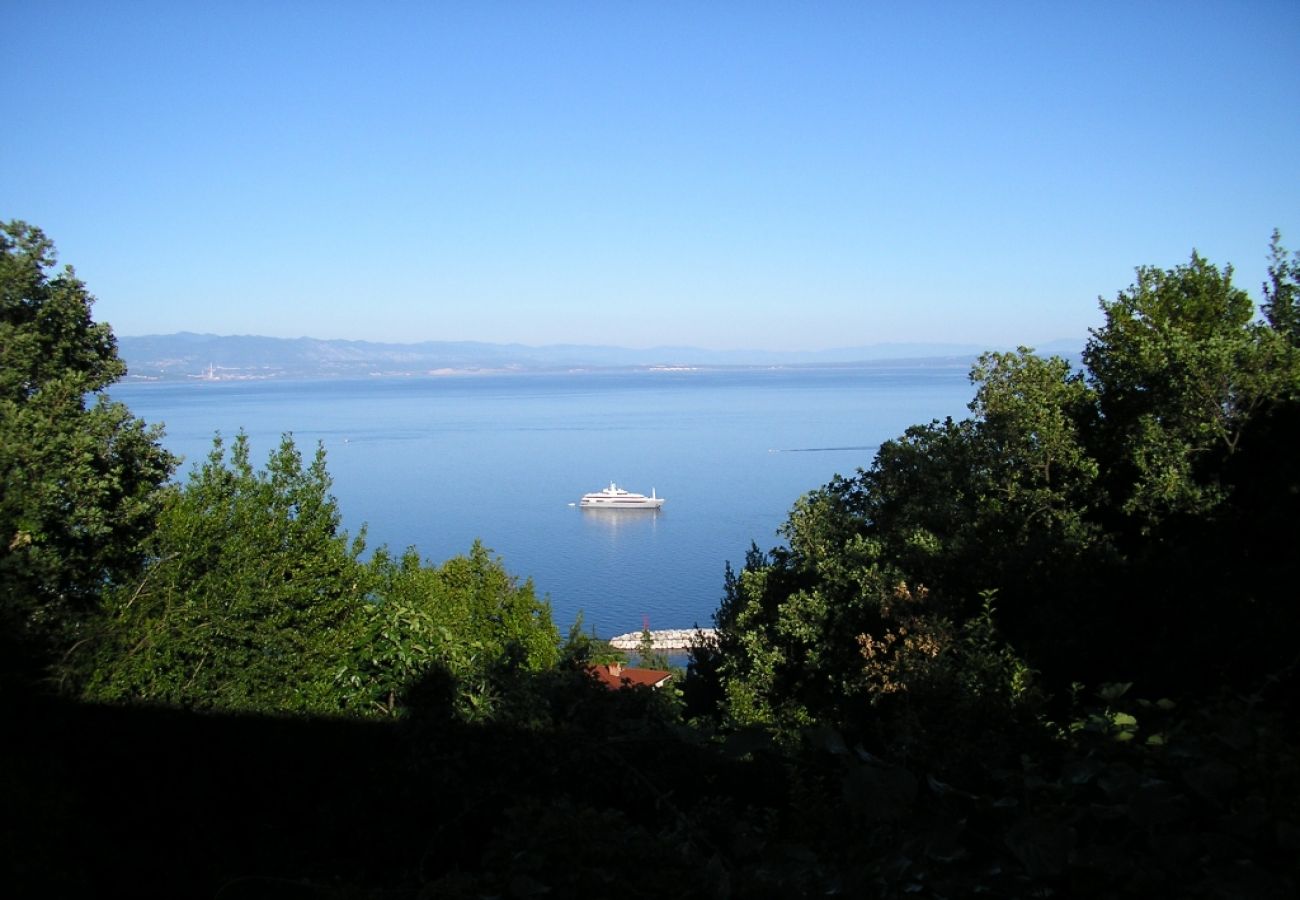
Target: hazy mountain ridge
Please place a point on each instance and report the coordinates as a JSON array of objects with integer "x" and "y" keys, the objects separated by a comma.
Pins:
[{"x": 189, "y": 355}]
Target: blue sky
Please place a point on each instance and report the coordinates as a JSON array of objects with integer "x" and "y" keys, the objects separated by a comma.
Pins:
[{"x": 725, "y": 175}]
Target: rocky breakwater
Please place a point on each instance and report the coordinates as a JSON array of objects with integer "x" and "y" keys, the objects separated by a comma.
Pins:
[{"x": 671, "y": 639}]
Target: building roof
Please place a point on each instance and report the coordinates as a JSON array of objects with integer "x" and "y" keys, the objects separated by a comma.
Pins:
[{"x": 616, "y": 676}]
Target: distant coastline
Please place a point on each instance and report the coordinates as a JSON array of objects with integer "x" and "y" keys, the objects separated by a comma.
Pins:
[{"x": 215, "y": 358}]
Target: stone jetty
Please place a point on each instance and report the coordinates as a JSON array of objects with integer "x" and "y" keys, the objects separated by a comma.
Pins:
[{"x": 672, "y": 639}]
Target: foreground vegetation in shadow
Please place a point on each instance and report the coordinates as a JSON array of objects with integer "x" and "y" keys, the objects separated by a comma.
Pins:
[
  {"x": 167, "y": 802},
  {"x": 614, "y": 796}
]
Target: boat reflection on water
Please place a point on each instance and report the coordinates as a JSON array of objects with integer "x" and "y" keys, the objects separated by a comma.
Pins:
[{"x": 619, "y": 520}]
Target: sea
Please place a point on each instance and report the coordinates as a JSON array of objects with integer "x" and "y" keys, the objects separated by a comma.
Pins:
[{"x": 437, "y": 462}]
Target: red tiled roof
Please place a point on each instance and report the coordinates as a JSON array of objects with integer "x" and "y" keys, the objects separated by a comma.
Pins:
[{"x": 615, "y": 677}]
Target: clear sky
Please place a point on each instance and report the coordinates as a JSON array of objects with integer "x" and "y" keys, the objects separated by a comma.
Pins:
[{"x": 798, "y": 175}]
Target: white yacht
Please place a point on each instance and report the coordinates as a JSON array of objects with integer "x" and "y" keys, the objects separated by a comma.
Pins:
[{"x": 614, "y": 497}]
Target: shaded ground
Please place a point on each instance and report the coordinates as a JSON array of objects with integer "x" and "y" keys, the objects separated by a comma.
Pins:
[
  {"x": 158, "y": 802},
  {"x": 612, "y": 798}
]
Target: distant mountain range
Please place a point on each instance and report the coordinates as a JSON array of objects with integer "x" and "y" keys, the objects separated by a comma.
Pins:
[{"x": 186, "y": 355}]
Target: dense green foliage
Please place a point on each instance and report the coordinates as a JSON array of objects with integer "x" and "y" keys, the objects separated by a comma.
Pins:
[
  {"x": 1045, "y": 650},
  {"x": 235, "y": 590},
  {"x": 943, "y": 612},
  {"x": 467, "y": 621},
  {"x": 80, "y": 480},
  {"x": 249, "y": 596},
  {"x": 253, "y": 599},
  {"x": 1119, "y": 516}
]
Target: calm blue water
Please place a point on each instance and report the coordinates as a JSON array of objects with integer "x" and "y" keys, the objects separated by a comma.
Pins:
[{"x": 438, "y": 462}]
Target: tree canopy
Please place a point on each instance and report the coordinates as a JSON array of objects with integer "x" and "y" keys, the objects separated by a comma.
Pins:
[
  {"x": 254, "y": 599},
  {"x": 248, "y": 596},
  {"x": 1129, "y": 521},
  {"x": 80, "y": 473}
]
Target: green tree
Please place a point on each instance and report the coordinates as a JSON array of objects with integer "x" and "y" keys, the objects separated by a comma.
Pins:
[
  {"x": 453, "y": 636},
  {"x": 1179, "y": 369},
  {"x": 250, "y": 599},
  {"x": 647, "y": 655},
  {"x": 1031, "y": 415},
  {"x": 81, "y": 475},
  {"x": 1281, "y": 305},
  {"x": 582, "y": 648},
  {"x": 1141, "y": 503},
  {"x": 1197, "y": 401},
  {"x": 883, "y": 570},
  {"x": 958, "y": 505}
]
